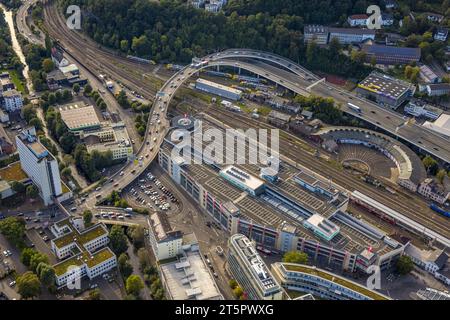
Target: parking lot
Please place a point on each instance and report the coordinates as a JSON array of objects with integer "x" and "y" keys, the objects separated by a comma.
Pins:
[
  {"x": 110, "y": 285},
  {"x": 9, "y": 260},
  {"x": 40, "y": 237},
  {"x": 150, "y": 193}
]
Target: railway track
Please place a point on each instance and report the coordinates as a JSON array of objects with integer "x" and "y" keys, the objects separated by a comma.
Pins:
[
  {"x": 88, "y": 53},
  {"x": 290, "y": 149}
]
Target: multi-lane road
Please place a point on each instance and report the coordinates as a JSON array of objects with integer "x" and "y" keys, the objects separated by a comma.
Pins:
[
  {"x": 22, "y": 23},
  {"x": 291, "y": 75},
  {"x": 384, "y": 118}
]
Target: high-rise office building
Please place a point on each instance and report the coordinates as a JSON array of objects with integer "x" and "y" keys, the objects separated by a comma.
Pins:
[{"x": 40, "y": 165}]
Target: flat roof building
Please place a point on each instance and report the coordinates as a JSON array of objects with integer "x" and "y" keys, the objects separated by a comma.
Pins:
[
  {"x": 420, "y": 108},
  {"x": 427, "y": 75},
  {"x": 438, "y": 89},
  {"x": 324, "y": 228},
  {"x": 441, "y": 34},
  {"x": 274, "y": 219},
  {"x": 12, "y": 100},
  {"x": 189, "y": 278},
  {"x": 109, "y": 137},
  {"x": 242, "y": 180},
  {"x": 433, "y": 294},
  {"x": 218, "y": 89},
  {"x": 317, "y": 33},
  {"x": 82, "y": 250},
  {"x": 250, "y": 271},
  {"x": 351, "y": 35},
  {"x": 321, "y": 283},
  {"x": 279, "y": 119},
  {"x": 78, "y": 117},
  {"x": 429, "y": 260},
  {"x": 165, "y": 241},
  {"x": 385, "y": 90},
  {"x": 390, "y": 54},
  {"x": 40, "y": 165},
  {"x": 441, "y": 125}
]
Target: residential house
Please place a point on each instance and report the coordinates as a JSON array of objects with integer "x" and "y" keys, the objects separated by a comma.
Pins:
[
  {"x": 441, "y": 34},
  {"x": 358, "y": 20}
]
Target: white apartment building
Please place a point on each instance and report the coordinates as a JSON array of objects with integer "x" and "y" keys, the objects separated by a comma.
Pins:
[
  {"x": 110, "y": 137},
  {"x": 13, "y": 100},
  {"x": 166, "y": 242},
  {"x": 433, "y": 190},
  {"x": 250, "y": 271},
  {"x": 418, "y": 108},
  {"x": 318, "y": 33},
  {"x": 84, "y": 250},
  {"x": 431, "y": 260},
  {"x": 40, "y": 165}
]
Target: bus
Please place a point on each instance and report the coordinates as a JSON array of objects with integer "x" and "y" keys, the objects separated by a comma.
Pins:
[{"x": 354, "y": 107}]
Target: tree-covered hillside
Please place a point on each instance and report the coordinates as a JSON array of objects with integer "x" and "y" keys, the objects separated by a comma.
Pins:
[{"x": 171, "y": 30}]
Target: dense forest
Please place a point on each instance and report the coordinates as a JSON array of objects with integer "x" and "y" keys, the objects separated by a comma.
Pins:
[
  {"x": 174, "y": 31},
  {"x": 12, "y": 4}
]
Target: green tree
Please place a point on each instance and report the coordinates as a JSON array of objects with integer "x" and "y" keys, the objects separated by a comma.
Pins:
[
  {"x": 36, "y": 259},
  {"x": 124, "y": 45},
  {"x": 430, "y": 164},
  {"x": 122, "y": 99},
  {"x": 87, "y": 217},
  {"x": 238, "y": 292},
  {"x": 25, "y": 256},
  {"x": 137, "y": 236},
  {"x": 67, "y": 95},
  {"x": 28, "y": 112},
  {"x": 51, "y": 98},
  {"x": 37, "y": 123},
  {"x": 295, "y": 257},
  {"x": 441, "y": 175},
  {"x": 118, "y": 240},
  {"x": 76, "y": 88},
  {"x": 335, "y": 46},
  {"x": 134, "y": 285},
  {"x": 87, "y": 89},
  {"x": 46, "y": 274},
  {"x": 358, "y": 56},
  {"x": 32, "y": 191},
  {"x": 13, "y": 229},
  {"x": 126, "y": 269},
  {"x": 94, "y": 294},
  {"x": 18, "y": 186},
  {"x": 28, "y": 285},
  {"x": 48, "y": 65},
  {"x": 66, "y": 172},
  {"x": 404, "y": 265},
  {"x": 144, "y": 257},
  {"x": 233, "y": 284}
]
